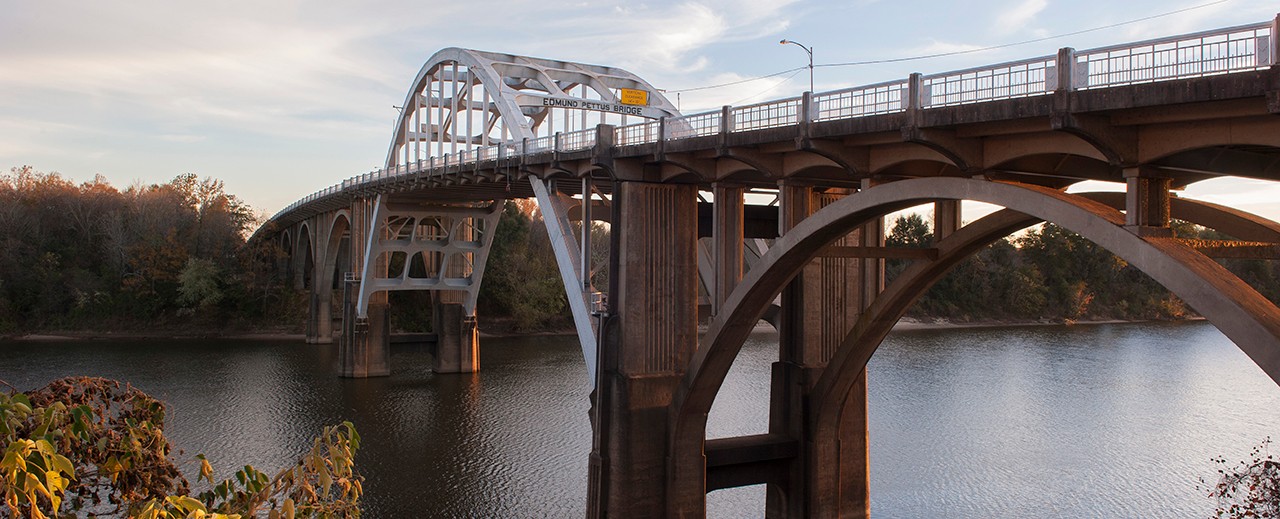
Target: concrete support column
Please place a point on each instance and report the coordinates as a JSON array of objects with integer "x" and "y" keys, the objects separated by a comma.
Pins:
[
  {"x": 322, "y": 310},
  {"x": 364, "y": 349},
  {"x": 649, "y": 335},
  {"x": 313, "y": 317},
  {"x": 727, "y": 227},
  {"x": 818, "y": 309},
  {"x": 946, "y": 218},
  {"x": 1147, "y": 201},
  {"x": 457, "y": 339}
]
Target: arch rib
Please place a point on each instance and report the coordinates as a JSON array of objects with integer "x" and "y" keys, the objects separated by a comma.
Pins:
[{"x": 1245, "y": 316}]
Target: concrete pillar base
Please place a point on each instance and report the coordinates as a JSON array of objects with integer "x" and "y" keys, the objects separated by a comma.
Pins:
[
  {"x": 323, "y": 308},
  {"x": 313, "y": 319},
  {"x": 365, "y": 348},
  {"x": 458, "y": 340},
  {"x": 632, "y": 466}
]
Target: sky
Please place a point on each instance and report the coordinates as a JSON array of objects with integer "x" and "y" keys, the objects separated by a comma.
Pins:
[{"x": 282, "y": 98}]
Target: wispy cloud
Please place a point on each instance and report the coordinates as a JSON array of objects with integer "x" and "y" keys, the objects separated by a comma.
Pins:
[
  {"x": 1016, "y": 18},
  {"x": 663, "y": 38}
]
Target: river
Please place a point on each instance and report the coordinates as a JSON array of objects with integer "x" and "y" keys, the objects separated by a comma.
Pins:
[{"x": 1058, "y": 421}]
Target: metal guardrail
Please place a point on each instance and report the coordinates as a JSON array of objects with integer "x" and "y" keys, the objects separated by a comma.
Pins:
[
  {"x": 639, "y": 133},
  {"x": 1023, "y": 78},
  {"x": 861, "y": 101},
  {"x": 696, "y": 125},
  {"x": 1220, "y": 51},
  {"x": 1201, "y": 54},
  {"x": 772, "y": 114},
  {"x": 579, "y": 140}
]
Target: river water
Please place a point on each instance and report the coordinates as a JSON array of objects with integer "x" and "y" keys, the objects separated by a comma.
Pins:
[{"x": 1078, "y": 421}]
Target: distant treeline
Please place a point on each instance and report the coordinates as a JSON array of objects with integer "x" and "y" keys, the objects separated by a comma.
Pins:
[
  {"x": 1051, "y": 273},
  {"x": 93, "y": 257}
]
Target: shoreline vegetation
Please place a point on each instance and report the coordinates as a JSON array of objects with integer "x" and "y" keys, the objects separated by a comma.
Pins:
[
  {"x": 904, "y": 324},
  {"x": 173, "y": 260}
]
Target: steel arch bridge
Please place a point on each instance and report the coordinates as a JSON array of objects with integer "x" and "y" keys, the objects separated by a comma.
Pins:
[{"x": 689, "y": 239}]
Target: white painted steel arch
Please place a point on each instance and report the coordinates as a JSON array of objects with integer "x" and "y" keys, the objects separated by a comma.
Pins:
[{"x": 465, "y": 100}]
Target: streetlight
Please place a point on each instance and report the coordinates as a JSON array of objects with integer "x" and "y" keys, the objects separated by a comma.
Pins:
[{"x": 808, "y": 50}]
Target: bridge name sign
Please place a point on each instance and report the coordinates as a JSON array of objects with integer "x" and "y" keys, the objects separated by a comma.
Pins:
[{"x": 587, "y": 104}]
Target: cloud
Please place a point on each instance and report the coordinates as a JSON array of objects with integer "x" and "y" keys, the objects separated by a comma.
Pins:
[
  {"x": 656, "y": 39},
  {"x": 1212, "y": 16},
  {"x": 186, "y": 139},
  {"x": 1016, "y": 18}
]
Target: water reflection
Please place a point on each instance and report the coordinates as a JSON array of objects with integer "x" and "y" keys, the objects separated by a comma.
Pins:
[{"x": 1082, "y": 421}]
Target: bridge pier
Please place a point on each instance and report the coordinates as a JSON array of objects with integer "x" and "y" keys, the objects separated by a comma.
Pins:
[
  {"x": 364, "y": 349},
  {"x": 647, "y": 341},
  {"x": 819, "y": 308},
  {"x": 1147, "y": 201},
  {"x": 457, "y": 339},
  {"x": 320, "y": 319}
]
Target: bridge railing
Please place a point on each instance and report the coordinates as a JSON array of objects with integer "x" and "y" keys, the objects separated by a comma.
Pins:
[
  {"x": 696, "y": 125},
  {"x": 1023, "y": 78},
  {"x": 773, "y": 114},
  {"x": 639, "y": 133},
  {"x": 1219, "y": 51},
  {"x": 579, "y": 140},
  {"x": 540, "y": 144},
  {"x": 881, "y": 98}
]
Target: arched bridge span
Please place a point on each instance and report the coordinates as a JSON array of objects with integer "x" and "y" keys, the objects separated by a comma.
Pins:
[{"x": 777, "y": 210}]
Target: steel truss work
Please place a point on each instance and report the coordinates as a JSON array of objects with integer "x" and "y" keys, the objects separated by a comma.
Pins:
[
  {"x": 491, "y": 106},
  {"x": 450, "y": 244}
]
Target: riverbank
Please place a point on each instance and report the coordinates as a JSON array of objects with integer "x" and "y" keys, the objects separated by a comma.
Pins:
[
  {"x": 187, "y": 332},
  {"x": 499, "y": 329}
]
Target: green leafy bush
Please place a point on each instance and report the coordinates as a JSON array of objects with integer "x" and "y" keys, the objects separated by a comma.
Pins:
[{"x": 89, "y": 446}]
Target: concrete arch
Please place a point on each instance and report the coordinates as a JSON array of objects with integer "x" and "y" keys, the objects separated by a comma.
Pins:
[
  {"x": 887, "y": 158},
  {"x": 303, "y": 255},
  {"x": 1246, "y": 317},
  {"x": 339, "y": 224},
  {"x": 1160, "y": 142},
  {"x": 746, "y": 176},
  {"x": 1234, "y": 222},
  {"x": 1000, "y": 149},
  {"x": 1068, "y": 166}
]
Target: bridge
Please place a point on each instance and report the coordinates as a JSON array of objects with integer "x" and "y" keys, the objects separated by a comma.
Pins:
[{"x": 775, "y": 211}]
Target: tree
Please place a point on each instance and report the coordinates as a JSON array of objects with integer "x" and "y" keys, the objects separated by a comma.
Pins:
[
  {"x": 1250, "y": 489},
  {"x": 89, "y": 446},
  {"x": 198, "y": 284},
  {"x": 89, "y": 255},
  {"x": 522, "y": 279},
  {"x": 909, "y": 231}
]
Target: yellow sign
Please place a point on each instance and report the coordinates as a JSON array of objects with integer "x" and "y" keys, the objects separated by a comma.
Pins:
[{"x": 634, "y": 97}]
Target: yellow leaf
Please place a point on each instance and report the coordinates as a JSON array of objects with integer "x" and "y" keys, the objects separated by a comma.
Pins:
[
  {"x": 206, "y": 471},
  {"x": 55, "y": 484}
]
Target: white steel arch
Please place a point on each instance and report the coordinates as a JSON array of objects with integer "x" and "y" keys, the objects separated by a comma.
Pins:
[{"x": 463, "y": 100}]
